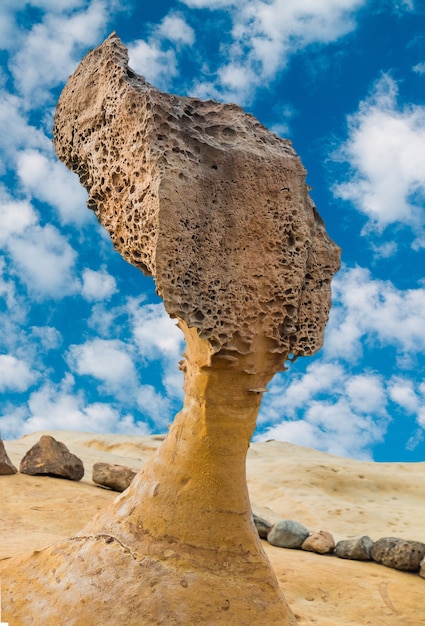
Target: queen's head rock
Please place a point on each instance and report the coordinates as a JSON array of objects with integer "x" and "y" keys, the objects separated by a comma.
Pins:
[
  {"x": 206, "y": 200},
  {"x": 215, "y": 207}
]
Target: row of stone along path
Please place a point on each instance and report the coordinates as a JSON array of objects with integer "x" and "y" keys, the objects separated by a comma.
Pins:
[{"x": 52, "y": 458}]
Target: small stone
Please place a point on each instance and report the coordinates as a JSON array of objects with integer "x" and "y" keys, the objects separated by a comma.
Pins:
[
  {"x": 321, "y": 542},
  {"x": 287, "y": 534},
  {"x": 262, "y": 525},
  {"x": 6, "y": 465},
  {"x": 422, "y": 568},
  {"x": 355, "y": 548},
  {"x": 398, "y": 553},
  {"x": 115, "y": 477},
  {"x": 52, "y": 458}
]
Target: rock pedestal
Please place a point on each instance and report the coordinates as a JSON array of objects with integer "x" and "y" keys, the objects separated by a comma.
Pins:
[{"x": 215, "y": 207}]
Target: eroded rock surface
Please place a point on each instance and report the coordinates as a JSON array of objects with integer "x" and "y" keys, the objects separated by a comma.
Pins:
[
  {"x": 205, "y": 199},
  {"x": 215, "y": 207}
]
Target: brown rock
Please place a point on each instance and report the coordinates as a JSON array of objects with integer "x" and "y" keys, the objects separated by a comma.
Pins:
[
  {"x": 321, "y": 542},
  {"x": 52, "y": 458},
  {"x": 6, "y": 465},
  {"x": 116, "y": 477},
  {"x": 216, "y": 208},
  {"x": 398, "y": 553}
]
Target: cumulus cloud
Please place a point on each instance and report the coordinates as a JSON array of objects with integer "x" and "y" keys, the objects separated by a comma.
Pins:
[
  {"x": 98, "y": 285},
  {"x": 156, "y": 58},
  {"x": 337, "y": 412},
  {"x": 48, "y": 180},
  {"x": 175, "y": 28},
  {"x": 48, "y": 53},
  {"x": 155, "y": 334},
  {"x": 373, "y": 309},
  {"x": 386, "y": 159},
  {"x": 61, "y": 406},
  {"x": 265, "y": 34},
  {"x": 108, "y": 360},
  {"x": 44, "y": 261},
  {"x": 15, "y": 374}
]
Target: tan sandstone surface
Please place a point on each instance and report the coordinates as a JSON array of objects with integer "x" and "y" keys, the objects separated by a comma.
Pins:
[
  {"x": 321, "y": 491},
  {"x": 216, "y": 208}
]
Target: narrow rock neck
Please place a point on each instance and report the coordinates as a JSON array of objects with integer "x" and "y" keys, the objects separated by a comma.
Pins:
[{"x": 193, "y": 490}]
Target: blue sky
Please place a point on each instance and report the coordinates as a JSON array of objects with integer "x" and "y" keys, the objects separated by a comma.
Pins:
[{"x": 85, "y": 343}]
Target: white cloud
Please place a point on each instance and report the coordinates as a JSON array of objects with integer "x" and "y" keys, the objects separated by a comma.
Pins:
[
  {"x": 332, "y": 427},
  {"x": 49, "y": 52},
  {"x": 98, "y": 285},
  {"x": 49, "y": 180},
  {"x": 154, "y": 405},
  {"x": 15, "y": 374},
  {"x": 15, "y": 217},
  {"x": 419, "y": 68},
  {"x": 264, "y": 35},
  {"x": 44, "y": 262},
  {"x": 366, "y": 393},
  {"x": 155, "y": 334},
  {"x": 376, "y": 310},
  {"x": 175, "y": 28},
  {"x": 386, "y": 156},
  {"x": 61, "y": 407},
  {"x": 158, "y": 66},
  {"x": 402, "y": 393},
  {"x": 108, "y": 360},
  {"x": 16, "y": 132}
]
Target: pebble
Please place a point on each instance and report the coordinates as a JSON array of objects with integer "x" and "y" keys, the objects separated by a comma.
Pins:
[
  {"x": 287, "y": 534},
  {"x": 320, "y": 542},
  {"x": 398, "y": 553},
  {"x": 355, "y": 548}
]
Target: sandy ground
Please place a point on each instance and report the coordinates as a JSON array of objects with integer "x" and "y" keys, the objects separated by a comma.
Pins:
[{"x": 323, "y": 492}]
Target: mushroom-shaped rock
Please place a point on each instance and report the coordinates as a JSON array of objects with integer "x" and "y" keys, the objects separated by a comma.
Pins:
[{"x": 215, "y": 207}]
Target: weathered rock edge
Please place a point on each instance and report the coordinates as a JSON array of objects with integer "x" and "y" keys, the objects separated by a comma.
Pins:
[{"x": 216, "y": 209}]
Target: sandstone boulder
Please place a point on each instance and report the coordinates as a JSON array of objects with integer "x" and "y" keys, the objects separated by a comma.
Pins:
[
  {"x": 320, "y": 542},
  {"x": 52, "y": 458},
  {"x": 115, "y": 477},
  {"x": 287, "y": 534},
  {"x": 355, "y": 548},
  {"x": 6, "y": 465},
  {"x": 398, "y": 553}
]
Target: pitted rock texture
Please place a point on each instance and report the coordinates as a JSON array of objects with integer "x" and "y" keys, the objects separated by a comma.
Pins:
[
  {"x": 399, "y": 553},
  {"x": 206, "y": 200}
]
